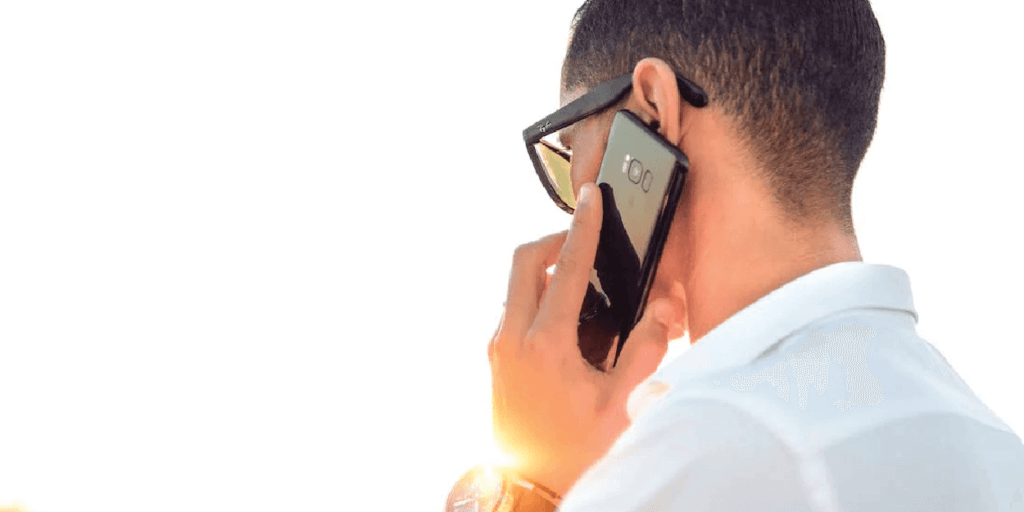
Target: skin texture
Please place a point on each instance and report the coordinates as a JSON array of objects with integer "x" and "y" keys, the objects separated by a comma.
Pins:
[{"x": 728, "y": 246}]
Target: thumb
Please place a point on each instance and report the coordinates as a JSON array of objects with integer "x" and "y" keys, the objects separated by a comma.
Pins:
[{"x": 645, "y": 347}]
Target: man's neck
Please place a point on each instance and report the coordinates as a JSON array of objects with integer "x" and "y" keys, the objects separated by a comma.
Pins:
[
  {"x": 737, "y": 249},
  {"x": 732, "y": 245},
  {"x": 738, "y": 270}
]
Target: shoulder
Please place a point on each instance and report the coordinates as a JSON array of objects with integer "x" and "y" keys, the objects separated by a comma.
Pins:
[
  {"x": 821, "y": 420},
  {"x": 694, "y": 455}
]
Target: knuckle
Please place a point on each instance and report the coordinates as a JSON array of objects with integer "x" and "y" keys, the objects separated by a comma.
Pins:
[
  {"x": 523, "y": 254},
  {"x": 501, "y": 347},
  {"x": 495, "y": 347},
  {"x": 539, "y": 349},
  {"x": 568, "y": 264},
  {"x": 530, "y": 343}
]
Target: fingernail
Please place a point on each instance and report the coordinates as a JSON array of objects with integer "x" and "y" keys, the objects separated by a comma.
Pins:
[{"x": 584, "y": 194}]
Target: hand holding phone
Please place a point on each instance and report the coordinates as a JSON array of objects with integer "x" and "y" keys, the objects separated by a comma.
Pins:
[{"x": 552, "y": 412}]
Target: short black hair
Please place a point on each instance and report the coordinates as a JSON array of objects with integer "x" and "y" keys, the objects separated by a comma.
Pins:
[{"x": 801, "y": 79}]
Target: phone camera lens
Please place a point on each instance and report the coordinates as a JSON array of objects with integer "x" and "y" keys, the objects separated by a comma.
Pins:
[{"x": 635, "y": 170}]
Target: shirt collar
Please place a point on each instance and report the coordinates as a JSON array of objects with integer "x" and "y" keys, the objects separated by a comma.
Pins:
[{"x": 820, "y": 293}]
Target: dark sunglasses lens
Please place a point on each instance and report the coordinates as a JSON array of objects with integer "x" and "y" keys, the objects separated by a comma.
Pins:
[{"x": 556, "y": 169}]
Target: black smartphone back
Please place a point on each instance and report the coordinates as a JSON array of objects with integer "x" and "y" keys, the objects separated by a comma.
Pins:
[{"x": 641, "y": 179}]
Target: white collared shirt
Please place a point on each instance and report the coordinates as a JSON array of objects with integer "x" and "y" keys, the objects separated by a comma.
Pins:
[{"x": 820, "y": 396}]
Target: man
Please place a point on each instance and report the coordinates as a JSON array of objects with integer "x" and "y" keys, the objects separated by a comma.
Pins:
[{"x": 762, "y": 269}]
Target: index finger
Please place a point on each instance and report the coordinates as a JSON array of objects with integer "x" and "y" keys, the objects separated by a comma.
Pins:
[
  {"x": 526, "y": 283},
  {"x": 564, "y": 296}
]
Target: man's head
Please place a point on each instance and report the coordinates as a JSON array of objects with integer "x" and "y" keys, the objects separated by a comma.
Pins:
[
  {"x": 793, "y": 89},
  {"x": 800, "y": 79}
]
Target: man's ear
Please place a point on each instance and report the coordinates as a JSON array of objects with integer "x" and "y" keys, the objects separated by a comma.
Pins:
[{"x": 656, "y": 96}]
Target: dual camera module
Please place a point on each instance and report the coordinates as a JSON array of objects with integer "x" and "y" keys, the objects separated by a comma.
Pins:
[{"x": 634, "y": 170}]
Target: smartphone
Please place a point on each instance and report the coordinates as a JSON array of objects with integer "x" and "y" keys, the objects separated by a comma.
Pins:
[{"x": 641, "y": 179}]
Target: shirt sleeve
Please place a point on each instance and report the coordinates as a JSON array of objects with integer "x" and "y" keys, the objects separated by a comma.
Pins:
[{"x": 693, "y": 456}]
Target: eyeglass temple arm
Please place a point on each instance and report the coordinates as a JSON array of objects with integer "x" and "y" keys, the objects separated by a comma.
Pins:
[
  {"x": 593, "y": 101},
  {"x": 600, "y": 98}
]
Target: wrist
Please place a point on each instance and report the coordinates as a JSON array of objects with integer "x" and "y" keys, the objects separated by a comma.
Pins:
[
  {"x": 551, "y": 496},
  {"x": 558, "y": 474},
  {"x": 494, "y": 489},
  {"x": 555, "y": 482}
]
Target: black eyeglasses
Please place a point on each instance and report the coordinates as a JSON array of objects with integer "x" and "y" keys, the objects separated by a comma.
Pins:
[{"x": 551, "y": 160}]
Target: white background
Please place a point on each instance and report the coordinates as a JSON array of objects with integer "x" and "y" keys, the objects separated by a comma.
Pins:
[{"x": 251, "y": 253}]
